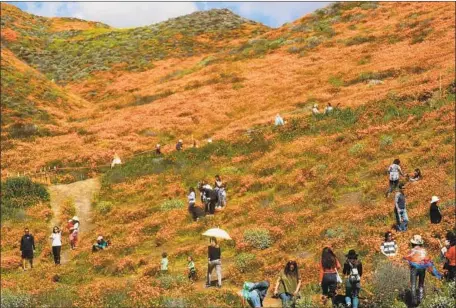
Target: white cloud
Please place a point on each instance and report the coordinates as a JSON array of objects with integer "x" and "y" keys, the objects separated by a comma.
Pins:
[
  {"x": 116, "y": 14},
  {"x": 278, "y": 13}
]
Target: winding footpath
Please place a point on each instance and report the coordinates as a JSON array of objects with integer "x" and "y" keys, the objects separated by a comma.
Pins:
[{"x": 82, "y": 193}]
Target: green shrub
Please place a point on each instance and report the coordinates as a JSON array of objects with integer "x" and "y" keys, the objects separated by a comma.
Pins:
[
  {"x": 244, "y": 262},
  {"x": 60, "y": 297},
  {"x": 172, "y": 302},
  {"x": 444, "y": 298},
  {"x": 388, "y": 282},
  {"x": 10, "y": 299},
  {"x": 21, "y": 192},
  {"x": 386, "y": 140},
  {"x": 258, "y": 238},
  {"x": 23, "y": 130},
  {"x": 357, "y": 40},
  {"x": 104, "y": 207},
  {"x": 172, "y": 204},
  {"x": 356, "y": 149},
  {"x": 167, "y": 281},
  {"x": 336, "y": 81}
]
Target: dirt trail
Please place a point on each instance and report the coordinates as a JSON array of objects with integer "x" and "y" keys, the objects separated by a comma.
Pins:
[{"x": 81, "y": 192}]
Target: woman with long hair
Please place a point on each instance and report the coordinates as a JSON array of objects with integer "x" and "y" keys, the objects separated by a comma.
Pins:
[
  {"x": 288, "y": 284},
  {"x": 56, "y": 237},
  {"x": 328, "y": 274}
]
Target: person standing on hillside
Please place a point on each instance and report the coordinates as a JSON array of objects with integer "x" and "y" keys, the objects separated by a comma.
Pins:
[
  {"x": 56, "y": 237},
  {"x": 450, "y": 257},
  {"x": 288, "y": 284},
  {"x": 315, "y": 110},
  {"x": 74, "y": 231},
  {"x": 328, "y": 274},
  {"x": 158, "y": 149},
  {"x": 214, "y": 261},
  {"x": 400, "y": 209},
  {"x": 353, "y": 269},
  {"x": 221, "y": 193},
  {"x": 394, "y": 172},
  {"x": 434, "y": 211},
  {"x": 389, "y": 246},
  {"x": 180, "y": 145},
  {"x": 164, "y": 263},
  {"x": 278, "y": 120},
  {"x": 27, "y": 248}
]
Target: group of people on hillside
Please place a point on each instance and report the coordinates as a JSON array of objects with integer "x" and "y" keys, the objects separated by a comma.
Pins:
[
  {"x": 213, "y": 198},
  {"x": 400, "y": 205},
  {"x": 278, "y": 121},
  {"x": 27, "y": 243}
]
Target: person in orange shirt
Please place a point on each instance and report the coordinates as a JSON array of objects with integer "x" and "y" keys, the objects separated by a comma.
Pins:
[
  {"x": 450, "y": 255},
  {"x": 328, "y": 274}
]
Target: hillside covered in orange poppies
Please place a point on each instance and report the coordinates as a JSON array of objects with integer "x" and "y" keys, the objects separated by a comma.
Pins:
[{"x": 75, "y": 92}]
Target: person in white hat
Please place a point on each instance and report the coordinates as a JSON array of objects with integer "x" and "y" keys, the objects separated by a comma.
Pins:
[
  {"x": 416, "y": 256},
  {"x": 434, "y": 211},
  {"x": 74, "y": 231},
  {"x": 100, "y": 244}
]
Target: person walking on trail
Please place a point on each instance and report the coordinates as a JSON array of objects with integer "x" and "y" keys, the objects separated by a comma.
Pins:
[
  {"x": 419, "y": 262},
  {"x": 158, "y": 149},
  {"x": 400, "y": 209},
  {"x": 389, "y": 246},
  {"x": 27, "y": 248},
  {"x": 191, "y": 269},
  {"x": 101, "y": 244},
  {"x": 191, "y": 203},
  {"x": 278, "y": 120},
  {"x": 221, "y": 192},
  {"x": 180, "y": 145},
  {"x": 74, "y": 231},
  {"x": 254, "y": 293},
  {"x": 329, "y": 276},
  {"x": 288, "y": 284},
  {"x": 353, "y": 269},
  {"x": 315, "y": 110},
  {"x": 450, "y": 257},
  {"x": 434, "y": 211},
  {"x": 164, "y": 263},
  {"x": 394, "y": 172},
  {"x": 416, "y": 176},
  {"x": 56, "y": 237},
  {"x": 214, "y": 262}
]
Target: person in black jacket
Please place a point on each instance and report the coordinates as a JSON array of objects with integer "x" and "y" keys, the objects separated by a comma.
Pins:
[
  {"x": 214, "y": 255},
  {"x": 353, "y": 269},
  {"x": 27, "y": 248},
  {"x": 434, "y": 211}
]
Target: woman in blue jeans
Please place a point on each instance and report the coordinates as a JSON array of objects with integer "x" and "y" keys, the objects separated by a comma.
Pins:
[
  {"x": 288, "y": 284},
  {"x": 254, "y": 293}
]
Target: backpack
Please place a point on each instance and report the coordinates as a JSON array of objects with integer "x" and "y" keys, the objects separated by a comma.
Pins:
[{"x": 354, "y": 277}]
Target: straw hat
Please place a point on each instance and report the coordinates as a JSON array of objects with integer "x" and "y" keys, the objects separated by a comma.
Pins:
[
  {"x": 180, "y": 140},
  {"x": 99, "y": 238},
  {"x": 315, "y": 105},
  {"x": 434, "y": 199},
  {"x": 75, "y": 218},
  {"x": 417, "y": 240}
]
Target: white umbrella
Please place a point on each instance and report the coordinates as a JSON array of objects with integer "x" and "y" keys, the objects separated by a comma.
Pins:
[{"x": 217, "y": 233}]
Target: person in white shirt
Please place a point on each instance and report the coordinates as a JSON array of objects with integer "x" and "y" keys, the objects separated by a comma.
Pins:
[
  {"x": 394, "y": 172},
  {"x": 389, "y": 247},
  {"x": 116, "y": 161},
  {"x": 315, "y": 110},
  {"x": 278, "y": 120},
  {"x": 56, "y": 237},
  {"x": 329, "y": 109}
]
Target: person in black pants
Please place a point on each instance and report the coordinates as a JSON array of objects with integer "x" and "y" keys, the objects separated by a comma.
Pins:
[
  {"x": 27, "y": 248},
  {"x": 214, "y": 261},
  {"x": 56, "y": 237},
  {"x": 434, "y": 211}
]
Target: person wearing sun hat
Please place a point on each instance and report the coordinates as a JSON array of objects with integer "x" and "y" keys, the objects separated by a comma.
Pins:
[
  {"x": 419, "y": 262},
  {"x": 434, "y": 211},
  {"x": 100, "y": 244},
  {"x": 353, "y": 269},
  {"x": 315, "y": 110},
  {"x": 74, "y": 231},
  {"x": 179, "y": 145}
]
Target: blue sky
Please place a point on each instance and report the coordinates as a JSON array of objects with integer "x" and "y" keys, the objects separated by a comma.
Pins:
[{"x": 133, "y": 14}]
